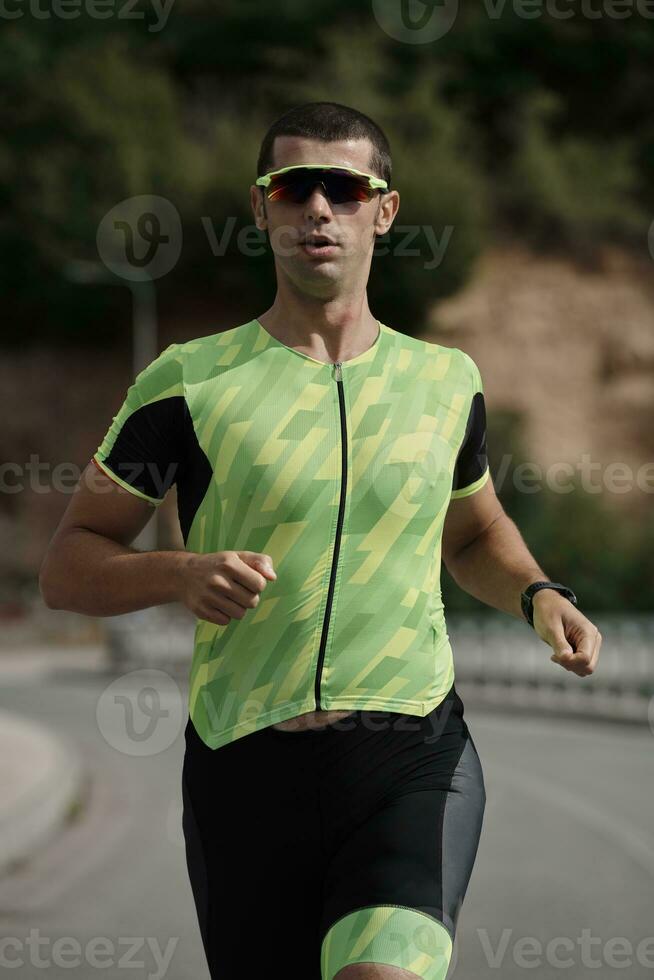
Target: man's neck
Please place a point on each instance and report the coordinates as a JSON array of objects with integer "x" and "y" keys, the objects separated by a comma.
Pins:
[{"x": 326, "y": 332}]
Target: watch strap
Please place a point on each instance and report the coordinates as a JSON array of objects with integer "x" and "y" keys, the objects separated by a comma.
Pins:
[{"x": 526, "y": 597}]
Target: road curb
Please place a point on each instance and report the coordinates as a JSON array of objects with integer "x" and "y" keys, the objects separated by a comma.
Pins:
[{"x": 41, "y": 774}]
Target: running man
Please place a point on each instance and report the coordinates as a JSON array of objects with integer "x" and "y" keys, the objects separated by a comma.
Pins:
[{"x": 324, "y": 463}]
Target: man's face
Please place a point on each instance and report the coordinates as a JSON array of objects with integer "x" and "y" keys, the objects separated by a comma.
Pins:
[{"x": 350, "y": 227}]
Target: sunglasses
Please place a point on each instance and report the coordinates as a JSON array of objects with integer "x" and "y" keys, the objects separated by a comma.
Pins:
[{"x": 341, "y": 184}]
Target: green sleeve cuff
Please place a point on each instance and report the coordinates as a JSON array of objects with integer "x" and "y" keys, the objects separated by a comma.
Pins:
[
  {"x": 472, "y": 487},
  {"x": 112, "y": 476}
]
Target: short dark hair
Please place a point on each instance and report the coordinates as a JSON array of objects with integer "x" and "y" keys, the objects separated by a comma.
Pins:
[{"x": 328, "y": 121}]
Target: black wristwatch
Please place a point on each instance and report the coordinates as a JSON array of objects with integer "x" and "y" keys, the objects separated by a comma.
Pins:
[{"x": 526, "y": 597}]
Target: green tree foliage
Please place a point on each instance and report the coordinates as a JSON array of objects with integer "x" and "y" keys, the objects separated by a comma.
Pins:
[
  {"x": 87, "y": 124},
  {"x": 571, "y": 189},
  {"x": 534, "y": 127}
]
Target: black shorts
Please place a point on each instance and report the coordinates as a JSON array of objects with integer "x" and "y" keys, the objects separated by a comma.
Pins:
[{"x": 354, "y": 843}]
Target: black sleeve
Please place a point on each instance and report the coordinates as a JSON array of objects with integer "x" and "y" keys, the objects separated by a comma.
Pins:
[
  {"x": 144, "y": 448},
  {"x": 148, "y": 450},
  {"x": 472, "y": 461}
]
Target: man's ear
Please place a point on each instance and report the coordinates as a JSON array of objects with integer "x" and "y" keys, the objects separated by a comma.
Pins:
[
  {"x": 258, "y": 202},
  {"x": 389, "y": 204}
]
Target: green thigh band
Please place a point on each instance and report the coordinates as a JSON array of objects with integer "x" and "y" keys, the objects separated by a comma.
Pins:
[{"x": 390, "y": 934}]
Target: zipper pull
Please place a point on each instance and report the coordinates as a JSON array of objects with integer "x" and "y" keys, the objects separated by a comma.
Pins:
[{"x": 337, "y": 370}]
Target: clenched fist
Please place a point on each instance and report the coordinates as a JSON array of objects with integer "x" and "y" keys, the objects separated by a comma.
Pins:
[{"x": 223, "y": 585}]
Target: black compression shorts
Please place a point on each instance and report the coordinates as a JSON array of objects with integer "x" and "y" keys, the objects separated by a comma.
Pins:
[{"x": 314, "y": 849}]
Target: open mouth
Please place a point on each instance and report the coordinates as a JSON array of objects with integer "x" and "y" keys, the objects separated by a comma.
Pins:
[{"x": 318, "y": 245}]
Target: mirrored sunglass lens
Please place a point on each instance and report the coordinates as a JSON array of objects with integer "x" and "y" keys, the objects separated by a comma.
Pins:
[
  {"x": 288, "y": 187},
  {"x": 297, "y": 185},
  {"x": 347, "y": 187}
]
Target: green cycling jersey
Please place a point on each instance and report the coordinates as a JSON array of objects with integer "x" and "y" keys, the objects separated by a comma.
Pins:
[{"x": 343, "y": 474}]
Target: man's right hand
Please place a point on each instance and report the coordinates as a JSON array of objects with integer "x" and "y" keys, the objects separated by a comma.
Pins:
[{"x": 223, "y": 585}]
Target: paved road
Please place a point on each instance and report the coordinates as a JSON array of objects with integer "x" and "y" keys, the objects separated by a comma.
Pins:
[{"x": 567, "y": 850}]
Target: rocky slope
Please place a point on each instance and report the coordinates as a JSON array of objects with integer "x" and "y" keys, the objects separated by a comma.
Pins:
[{"x": 572, "y": 349}]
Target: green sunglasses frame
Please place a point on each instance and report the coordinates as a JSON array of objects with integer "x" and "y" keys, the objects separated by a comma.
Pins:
[{"x": 374, "y": 182}]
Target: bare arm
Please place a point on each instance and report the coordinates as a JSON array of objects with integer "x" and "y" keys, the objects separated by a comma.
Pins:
[
  {"x": 486, "y": 555},
  {"x": 90, "y": 568}
]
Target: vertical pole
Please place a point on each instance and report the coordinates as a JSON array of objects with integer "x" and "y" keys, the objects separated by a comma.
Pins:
[{"x": 144, "y": 351}]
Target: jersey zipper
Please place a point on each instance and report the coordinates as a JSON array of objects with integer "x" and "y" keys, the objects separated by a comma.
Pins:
[{"x": 339, "y": 527}]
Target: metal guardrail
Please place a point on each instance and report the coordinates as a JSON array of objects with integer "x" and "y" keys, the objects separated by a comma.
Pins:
[
  {"x": 501, "y": 662},
  {"x": 498, "y": 660},
  {"x": 505, "y": 649}
]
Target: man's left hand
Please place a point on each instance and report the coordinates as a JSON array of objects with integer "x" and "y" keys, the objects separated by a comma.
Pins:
[{"x": 574, "y": 639}]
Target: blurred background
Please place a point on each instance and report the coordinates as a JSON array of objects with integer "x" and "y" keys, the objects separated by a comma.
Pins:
[{"x": 523, "y": 149}]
